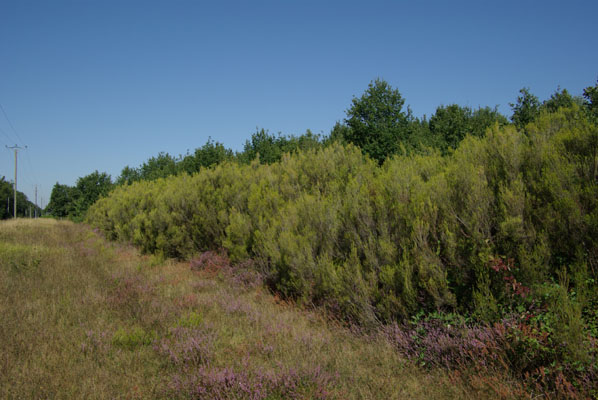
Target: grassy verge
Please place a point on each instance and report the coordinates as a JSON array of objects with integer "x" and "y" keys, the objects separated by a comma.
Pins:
[{"x": 83, "y": 318}]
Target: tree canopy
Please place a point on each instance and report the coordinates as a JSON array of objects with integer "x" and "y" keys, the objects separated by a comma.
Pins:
[
  {"x": 377, "y": 122},
  {"x": 526, "y": 109},
  {"x": 73, "y": 201},
  {"x": 24, "y": 206}
]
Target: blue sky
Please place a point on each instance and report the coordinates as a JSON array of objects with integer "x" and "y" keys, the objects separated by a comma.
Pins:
[{"x": 102, "y": 84}]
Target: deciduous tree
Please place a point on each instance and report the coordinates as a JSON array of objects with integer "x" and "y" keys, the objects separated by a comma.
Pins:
[{"x": 378, "y": 124}]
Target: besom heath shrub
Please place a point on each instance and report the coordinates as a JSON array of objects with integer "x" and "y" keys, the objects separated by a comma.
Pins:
[{"x": 332, "y": 227}]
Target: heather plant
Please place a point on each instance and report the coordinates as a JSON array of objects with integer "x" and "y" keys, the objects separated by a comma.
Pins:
[
  {"x": 226, "y": 383},
  {"x": 525, "y": 347},
  {"x": 186, "y": 346}
]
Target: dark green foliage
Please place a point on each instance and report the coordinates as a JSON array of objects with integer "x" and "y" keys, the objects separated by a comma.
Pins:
[
  {"x": 526, "y": 109},
  {"x": 484, "y": 118},
  {"x": 90, "y": 188},
  {"x": 24, "y": 207},
  {"x": 450, "y": 124},
  {"x": 127, "y": 176},
  {"x": 560, "y": 99},
  {"x": 73, "y": 202},
  {"x": 338, "y": 133},
  {"x": 161, "y": 166},
  {"x": 62, "y": 201},
  {"x": 210, "y": 154},
  {"x": 270, "y": 148},
  {"x": 264, "y": 145},
  {"x": 377, "y": 123}
]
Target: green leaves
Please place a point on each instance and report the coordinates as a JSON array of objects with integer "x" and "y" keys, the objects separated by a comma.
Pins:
[
  {"x": 377, "y": 121},
  {"x": 328, "y": 226},
  {"x": 73, "y": 202},
  {"x": 526, "y": 109},
  {"x": 450, "y": 124}
]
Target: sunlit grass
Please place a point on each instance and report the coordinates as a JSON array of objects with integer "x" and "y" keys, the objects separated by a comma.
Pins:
[{"x": 83, "y": 318}]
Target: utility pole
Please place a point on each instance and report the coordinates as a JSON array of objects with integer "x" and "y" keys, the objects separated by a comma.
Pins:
[
  {"x": 16, "y": 149},
  {"x": 35, "y": 201}
]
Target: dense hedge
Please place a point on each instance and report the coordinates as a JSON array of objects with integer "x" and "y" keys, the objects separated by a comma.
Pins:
[{"x": 429, "y": 232}]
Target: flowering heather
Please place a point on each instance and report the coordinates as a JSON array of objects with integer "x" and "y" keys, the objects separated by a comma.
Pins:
[
  {"x": 187, "y": 346},
  {"x": 433, "y": 343},
  {"x": 128, "y": 288},
  {"x": 210, "y": 261},
  {"x": 95, "y": 343},
  {"x": 243, "y": 274},
  {"x": 226, "y": 383},
  {"x": 510, "y": 346},
  {"x": 233, "y": 305}
]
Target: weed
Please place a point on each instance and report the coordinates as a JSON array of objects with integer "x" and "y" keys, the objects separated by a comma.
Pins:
[{"x": 133, "y": 337}]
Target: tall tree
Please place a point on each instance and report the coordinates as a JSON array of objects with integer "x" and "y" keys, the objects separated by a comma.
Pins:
[
  {"x": 449, "y": 125},
  {"x": 264, "y": 144},
  {"x": 485, "y": 117},
  {"x": 62, "y": 201},
  {"x": 208, "y": 155},
  {"x": 559, "y": 99},
  {"x": 89, "y": 189},
  {"x": 128, "y": 175},
  {"x": 270, "y": 148},
  {"x": 526, "y": 109},
  {"x": 161, "y": 166},
  {"x": 377, "y": 122}
]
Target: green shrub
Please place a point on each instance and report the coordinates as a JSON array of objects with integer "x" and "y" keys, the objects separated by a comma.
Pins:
[{"x": 330, "y": 226}]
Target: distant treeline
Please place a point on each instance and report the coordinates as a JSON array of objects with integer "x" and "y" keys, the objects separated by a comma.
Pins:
[
  {"x": 382, "y": 242},
  {"x": 377, "y": 122},
  {"x": 25, "y": 208}
]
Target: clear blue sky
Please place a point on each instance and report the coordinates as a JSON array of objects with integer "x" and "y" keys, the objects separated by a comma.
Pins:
[{"x": 102, "y": 84}]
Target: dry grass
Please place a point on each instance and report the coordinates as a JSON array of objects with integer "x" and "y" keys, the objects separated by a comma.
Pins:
[{"x": 83, "y": 318}]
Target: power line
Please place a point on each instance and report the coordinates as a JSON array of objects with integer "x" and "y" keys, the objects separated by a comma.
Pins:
[
  {"x": 10, "y": 124},
  {"x": 8, "y": 137},
  {"x": 32, "y": 171}
]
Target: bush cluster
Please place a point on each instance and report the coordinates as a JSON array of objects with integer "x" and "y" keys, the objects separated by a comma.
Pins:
[
  {"x": 505, "y": 228},
  {"x": 328, "y": 226}
]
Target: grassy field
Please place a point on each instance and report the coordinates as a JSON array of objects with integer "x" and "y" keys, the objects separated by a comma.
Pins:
[{"x": 84, "y": 318}]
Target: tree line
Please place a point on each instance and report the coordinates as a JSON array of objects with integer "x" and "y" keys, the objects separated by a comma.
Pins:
[
  {"x": 25, "y": 208},
  {"x": 377, "y": 123}
]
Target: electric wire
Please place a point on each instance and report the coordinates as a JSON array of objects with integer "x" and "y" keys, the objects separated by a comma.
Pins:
[
  {"x": 10, "y": 124},
  {"x": 7, "y": 136},
  {"x": 31, "y": 171}
]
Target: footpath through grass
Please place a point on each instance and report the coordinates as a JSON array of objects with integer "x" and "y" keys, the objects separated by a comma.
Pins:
[{"x": 84, "y": 318}]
